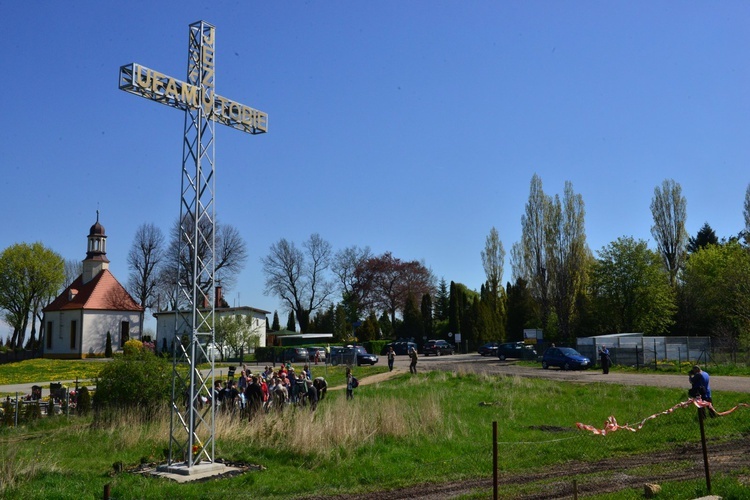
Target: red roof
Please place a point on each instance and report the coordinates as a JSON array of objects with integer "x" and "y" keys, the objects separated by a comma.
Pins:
[{"x": 103, "y": 293}]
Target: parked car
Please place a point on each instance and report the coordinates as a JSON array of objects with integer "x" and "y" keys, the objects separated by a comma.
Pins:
[
  {"x": 488, "y": 349},
  {"x": 566, "y": 358},
  {"x": 515, "y": 350},
  {"x": 364, "y": 357},
  {"x": 350, "y": 355},
  {"x": 295, "y": 355},
  {"x": 401, "y": 348},
  {"x": 318, "y": 352},
  {"x": 437, "y": 347}
]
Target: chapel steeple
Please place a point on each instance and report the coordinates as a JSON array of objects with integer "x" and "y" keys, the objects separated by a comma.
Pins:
[{"x": 96, "y": 254}]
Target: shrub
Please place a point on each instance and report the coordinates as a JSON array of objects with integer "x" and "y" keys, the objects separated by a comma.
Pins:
[
  {"x": 132, "y": 347},
  {"x": 8, "y": 413},
  {"x": 32, "y": 412},
  {"x": 83, "y": 403},
  {"x": 138, "y": 382},
  {"x": 108, "y": 347}
]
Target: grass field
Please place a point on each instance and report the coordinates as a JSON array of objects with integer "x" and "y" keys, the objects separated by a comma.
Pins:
[{"x": 428, "y": 429}]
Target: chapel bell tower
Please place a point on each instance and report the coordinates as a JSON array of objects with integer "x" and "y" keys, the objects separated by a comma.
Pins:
[{"x": 96, "y": 255}]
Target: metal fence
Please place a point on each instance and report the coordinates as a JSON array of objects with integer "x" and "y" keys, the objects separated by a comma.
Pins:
[{"x": 647, "y": 351}]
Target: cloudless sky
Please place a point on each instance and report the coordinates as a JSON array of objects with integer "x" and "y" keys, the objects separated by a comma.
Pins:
[{"x": 411, "y": 127}]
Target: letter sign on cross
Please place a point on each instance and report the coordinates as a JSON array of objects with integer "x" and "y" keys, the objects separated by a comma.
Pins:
[{"x": 192, "y": 426}]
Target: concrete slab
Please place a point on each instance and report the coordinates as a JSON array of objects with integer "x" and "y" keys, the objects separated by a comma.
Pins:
[{"x": 181, "y": 473}]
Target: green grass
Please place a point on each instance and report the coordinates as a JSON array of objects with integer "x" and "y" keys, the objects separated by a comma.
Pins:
[
  {"x": 37, "y": 370},
  {"x": 408, "y": 430}
]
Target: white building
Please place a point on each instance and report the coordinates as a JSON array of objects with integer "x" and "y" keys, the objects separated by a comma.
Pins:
[
  {"x": 166, "y": 330},
  {"x": 78, "y": 320}
]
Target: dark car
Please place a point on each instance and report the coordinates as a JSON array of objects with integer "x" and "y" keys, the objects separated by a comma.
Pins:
[
  {"x": 566, "y": 358},
  {"x": 488, "y": 349},
  {"x": 350, "y": 355},
  {"x": 401, "y": 348},
  {"x": 515, "y": 350},
  {"x": 437, "y": 348},
  {"x": 295, "y": 355}
]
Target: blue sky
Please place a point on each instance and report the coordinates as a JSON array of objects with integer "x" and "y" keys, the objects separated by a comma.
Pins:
[{"x": 410, "y": 127}]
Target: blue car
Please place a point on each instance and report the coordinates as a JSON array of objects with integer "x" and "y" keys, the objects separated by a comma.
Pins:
[{"x": 566, "y": 358}]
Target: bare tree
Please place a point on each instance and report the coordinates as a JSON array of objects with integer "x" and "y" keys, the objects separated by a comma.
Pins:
[
  {"x": 144, "y": 259},
  {"x": 669, "y": 209},
  {"x": 229, "y": 259},
  {"x": 299, "y": 277},
  {"x": 344, "y": 266},
  {"x": 73, "y": 269}
]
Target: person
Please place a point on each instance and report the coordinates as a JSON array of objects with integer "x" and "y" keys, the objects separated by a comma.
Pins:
[
  {"x": 254, "y": 397},
  {"x": 312, "y": 394},
  {"x": 349, "y": 387},
  {"x": 391, "y": 358},
  {"x": 322, "y": 386},
  {"x": 604, "y": 359},
  {"x": 413, "y": 364},
  {"x": 700, "y": 388}
]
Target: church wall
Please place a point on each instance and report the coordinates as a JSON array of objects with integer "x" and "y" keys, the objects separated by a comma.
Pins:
[
  {"x": 98, "y": 323},
  {"x": 61, "y": 330}
]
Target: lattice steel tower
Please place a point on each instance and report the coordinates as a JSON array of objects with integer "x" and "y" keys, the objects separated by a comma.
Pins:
[{"x": 192, "y": 427}]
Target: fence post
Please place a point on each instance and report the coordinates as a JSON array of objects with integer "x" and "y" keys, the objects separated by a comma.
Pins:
[
  {"x": 656, "y": 367},
  {"x": 701, "y": 413},
  {"x": 494, "y": 460},
  {"x": 16, "y": 415}
]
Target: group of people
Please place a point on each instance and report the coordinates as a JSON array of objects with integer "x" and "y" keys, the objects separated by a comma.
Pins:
[{"x": 269, "y": 389}]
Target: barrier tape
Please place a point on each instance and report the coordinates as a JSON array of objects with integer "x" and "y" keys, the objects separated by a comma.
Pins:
[{"x": 611, "y": 424}]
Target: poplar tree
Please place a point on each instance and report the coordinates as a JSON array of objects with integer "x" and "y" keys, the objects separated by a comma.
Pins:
[{"x": 669, "y": 209}]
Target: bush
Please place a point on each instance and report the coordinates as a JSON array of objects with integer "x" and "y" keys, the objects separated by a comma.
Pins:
[
  {"x": 83, "y": 401},
  {"x": 108, "y": 347},
  {"x": 138, "y": 382},
  {"x": 32, "y": 412},
  {"x": 132, "y": 347}
]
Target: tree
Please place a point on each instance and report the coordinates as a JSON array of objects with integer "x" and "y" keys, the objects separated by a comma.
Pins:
[
  {"x": 144, "y": 259},
  {"x": 669, "y": 209},
  {"x": 275, "y": 326},
  {"x": 426, "y": 310},
  {"x": 30, "y": 276},
  {"x": 384, "y": 283},
  {"x": 412, "y": 325},
  {"x": 552, "y": 255},
  {"x": 72, "y": 270},
  {"x": 291, "y": 324},
  {"x": 746, "y": 213},
  {"x": 631, "y": 290},
  {"x": 716, "y": 294},
  {"x": 238, "y": 332},
  {"x": 522, "y": 310},
  {"x": 530, "y": 258},
  {"x": 229, "y": 259},
  {"x": 442, "y": 301},
  {"x": 369, "y": 329},
  {"x": 299, "y": 277},
  {"x": 568, "y": 257},
  {"x": 706, "y": 236},
  {"x": 344, "y": 265},
  {"x": 493, "y": 260}
]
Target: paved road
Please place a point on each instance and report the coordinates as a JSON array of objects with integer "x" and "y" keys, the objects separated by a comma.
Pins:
[{"x": 478, "y": 364}]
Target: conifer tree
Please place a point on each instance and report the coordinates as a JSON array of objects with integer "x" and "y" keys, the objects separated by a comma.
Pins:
[
  {"x": 291, "y": 324},
  {"x": 275, "y": 326}
]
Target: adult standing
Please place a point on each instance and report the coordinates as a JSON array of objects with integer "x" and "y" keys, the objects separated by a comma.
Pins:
[
  {"x": 349, "y": 384},
  {"x": 413, "y": 364},
  {"x": 254, "y": 395},
  {"x": 391, "y": 358},
  {"x": 604, "y": 359}
]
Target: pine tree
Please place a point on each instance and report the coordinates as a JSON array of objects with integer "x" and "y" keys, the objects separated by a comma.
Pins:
[
  {"x": 426, "y": 310},
  {"x": 442, "y": 301},
  {"x": 108, "y": 346},
  {"x": 275, "y": 326},
  {"x": 291, "y": 324}
]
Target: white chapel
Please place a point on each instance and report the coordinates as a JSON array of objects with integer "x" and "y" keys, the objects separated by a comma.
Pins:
[{"x": 78, "y": 320}]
